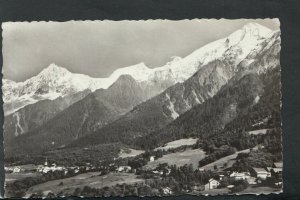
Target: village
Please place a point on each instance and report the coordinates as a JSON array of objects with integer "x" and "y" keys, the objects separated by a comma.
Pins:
[
  {"x": 215, "y": 182},
  {"x": 254, "y": 176}
]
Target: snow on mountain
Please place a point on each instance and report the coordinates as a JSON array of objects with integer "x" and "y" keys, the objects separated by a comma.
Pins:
[
  {"x": 51, "y": 83},
  {"x": 140, "y": 72},
  {"x": 55, "y": 81}
]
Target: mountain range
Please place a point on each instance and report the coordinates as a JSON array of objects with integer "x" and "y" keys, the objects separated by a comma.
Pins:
[
  {"x": 54, "y": 81},
  {"x": 137, "y": 102},
  {"x": 207, "y": 85}
]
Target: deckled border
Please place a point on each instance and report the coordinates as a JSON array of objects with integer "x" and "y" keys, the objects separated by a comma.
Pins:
[
  {"x": 285, "y": 10},
  {"x": 149, "y": 21}
]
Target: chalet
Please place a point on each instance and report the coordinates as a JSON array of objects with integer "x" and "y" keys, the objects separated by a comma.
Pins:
[
  {"x": 7, "y": 169},
  {"x": 167, "y": 190},
  {"x": 277, "y": 172},
  {"x": 230, "y": 186},
  {"x": 201, "y": 169},
  {"x": 40, "y": 168},
  {"x": 279, "y": 184},
  {"x": 277, "y": 165},
  {"x": 260, "y": 173},
  {"x": 212, "y": 184},
  {"x": 124, "y": 169},
  {"x": 16, "y": 169},
  {"x": 240, "y": 175}
]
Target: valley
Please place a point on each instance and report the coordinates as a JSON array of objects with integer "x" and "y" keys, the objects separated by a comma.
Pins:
[{"x": 91, "y": 179}]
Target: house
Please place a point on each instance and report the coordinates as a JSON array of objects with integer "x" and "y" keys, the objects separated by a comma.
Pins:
[
  {"x": 167, "y": 190},
  {"x": 212, "y": 184},
  {"x": 152, "y": 158},
  {"x": 46, "y": 170},
  {"x": 16, "y": 169},
  {"x": 7, "y": 169},
  {"x": 124, "y": 169},
  {"x": 230, "y": 186},
  {"x": 40, "y": 168},
  {"x": 240, "y": 175},
  {"x": 279, "y": 184},
  {"x": 277, "y": 172},
  {"x": 277, "y": 165},
  {"x": 260, "y": 173},
  {"x": 221, "y": 177}
]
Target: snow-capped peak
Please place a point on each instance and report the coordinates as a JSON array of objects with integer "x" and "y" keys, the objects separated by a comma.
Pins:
[
  {"x": 140, "y": 72},
  {"x": 234, "y": 47},
  {"x": 250, "y": 33},
  {"x": 257, "y": 29},
  {"x": 54, "y": 69}
]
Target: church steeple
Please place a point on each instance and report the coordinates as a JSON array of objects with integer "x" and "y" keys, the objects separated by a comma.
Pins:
[{"x": 46, "y": 162}]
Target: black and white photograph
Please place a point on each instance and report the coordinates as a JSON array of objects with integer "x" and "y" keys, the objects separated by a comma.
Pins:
[{"x": 142, "y": 108}]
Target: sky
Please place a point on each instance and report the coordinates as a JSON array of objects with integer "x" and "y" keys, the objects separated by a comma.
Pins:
[{"x": 97, "y": 48}]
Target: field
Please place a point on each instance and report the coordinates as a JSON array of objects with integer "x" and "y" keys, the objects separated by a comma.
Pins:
[
  {"x": 257, "y": 132},
  {"x": 260, "y": 190},
  {"x": 178, "y": 143},
  {"x": 91, "y": 179},
  {"x": 189, "y": 156},
  {"x": 130, "y": 153},
  {"x": 10, "y": 177},
  {"x": 249, "y": 190},
  {"x": 228, "y": 159},
  {"x": 214, "y": 192}
]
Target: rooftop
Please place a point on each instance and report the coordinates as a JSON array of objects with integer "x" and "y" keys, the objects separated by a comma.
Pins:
[
  {"x": 259, "y": 170},
  {"x": 278, "y": 164}
]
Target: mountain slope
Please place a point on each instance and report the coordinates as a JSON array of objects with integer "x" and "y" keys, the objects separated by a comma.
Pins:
[
  {"x": 34, "y": 115},
  {"x": 251, "y": 103},
  {"x": 94, "y": 111},
  {"x": 212, "y": 115},
  {"x": 157, "y": 112}
]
